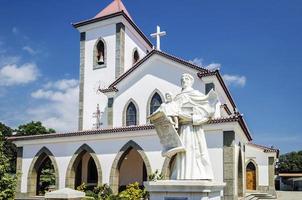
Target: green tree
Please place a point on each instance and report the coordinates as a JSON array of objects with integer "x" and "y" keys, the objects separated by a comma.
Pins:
[
  {"x": 47, "y": 177},
  {"x": 8, "y": 180},
  {"x": 33, "y": 128},
  {"x": 290, "y": 162},
  {"x": 9, "y": 149}
]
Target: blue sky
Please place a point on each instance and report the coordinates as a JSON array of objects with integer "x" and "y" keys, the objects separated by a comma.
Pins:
[{"x": 257, "y": 44}]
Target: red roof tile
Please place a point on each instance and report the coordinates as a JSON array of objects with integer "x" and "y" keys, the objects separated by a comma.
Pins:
[
  {"x": 265, "y": 149},
  {"x": 119, "y": 130},
  {"x": 114, "y": 7}
]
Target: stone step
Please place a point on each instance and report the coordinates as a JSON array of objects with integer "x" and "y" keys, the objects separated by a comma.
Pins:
[
  {"x": 260, "y": 196},
  {"x": 250, "y": 197}
]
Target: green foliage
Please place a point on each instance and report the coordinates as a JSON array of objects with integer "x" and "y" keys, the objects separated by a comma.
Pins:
[
  {"x": 9, "y": 149},
  {"x": 133, "y": 192},
  {"x": 8, "y": 181},
  {"x": 82, "y": 187},
  {"x": 8, "y": 155},
  {"x": 5, "y": 130},
  {"x": 156, "y": 176},
  {"x": 290, "y": 162},
  {"x": 47, "y": 177},
  {"x": 91, "y": 194},
  {"x": 104, "y": 192},
  {"x": 33, "y": 128}
]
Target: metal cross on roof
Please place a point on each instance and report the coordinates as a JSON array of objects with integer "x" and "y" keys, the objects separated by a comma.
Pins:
[{"x": 157, "y": 35}]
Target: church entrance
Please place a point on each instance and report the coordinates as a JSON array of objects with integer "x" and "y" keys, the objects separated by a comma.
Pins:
[
  {"x": 251, "y": 176},
  {"x": 83, "y": 168},
  {"x": 132, "y": 169}
]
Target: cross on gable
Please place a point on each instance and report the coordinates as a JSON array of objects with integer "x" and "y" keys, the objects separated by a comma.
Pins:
[{"x": 157, "y": 35}]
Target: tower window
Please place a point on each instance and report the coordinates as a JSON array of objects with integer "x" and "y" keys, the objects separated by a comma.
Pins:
[
  {"x": 101, "y": 53},
  {"x": 131, "y": 115},
  {"x": 99, "y": 59},
  {"x": 135, "y": 56}
]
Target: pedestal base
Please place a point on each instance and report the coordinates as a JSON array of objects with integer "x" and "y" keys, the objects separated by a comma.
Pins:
[{"x": 184, "y": 190}]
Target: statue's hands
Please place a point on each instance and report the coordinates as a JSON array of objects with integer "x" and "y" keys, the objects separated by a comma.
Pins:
[
  {"x": 185, "y": 117},
  {"x": 199, "y": 119}
]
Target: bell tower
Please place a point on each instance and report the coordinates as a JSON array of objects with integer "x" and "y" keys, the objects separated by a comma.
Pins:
[{"x": 110, "y": 44}]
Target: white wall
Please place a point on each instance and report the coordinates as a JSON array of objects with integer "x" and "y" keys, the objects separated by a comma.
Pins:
[
  {"x": 154, "y": 74},
  {"x": 107, "y": 148},
  {"x": 93, "y": 79},
  {"x": 103, "y": 77}
]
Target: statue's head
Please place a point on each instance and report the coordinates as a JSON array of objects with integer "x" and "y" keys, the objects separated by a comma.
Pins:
[{"x": 187, "y": 81}]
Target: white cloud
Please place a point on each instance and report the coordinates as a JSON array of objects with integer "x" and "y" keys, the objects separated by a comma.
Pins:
[
  {"x": 13, "y": 75},
  {"x": 230, "y": 79},
  {"x": 29, "y": 50},
  {"x": 61, "y": 84},
  {"x": 213, "y": 66},
  {"x": 60, "y": 106},
  {"x": 235, "y": 80},
  {"x": 199, "y": 62}
]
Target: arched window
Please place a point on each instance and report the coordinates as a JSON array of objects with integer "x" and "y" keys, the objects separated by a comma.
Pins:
[
  {"x": 155, "y": 103},
  {"x": 131, "y": 115},
  {"x": 135, "y": 56},
  {"x": 99, "y": 55}
]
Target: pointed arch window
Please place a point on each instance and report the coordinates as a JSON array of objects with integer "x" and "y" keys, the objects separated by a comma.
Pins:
[
  {"x": 99, "y": 59},
  {"x": 155, "y": 103},
  {"x": 131, "y": 115},
  {"x": 135, "y": 56}
]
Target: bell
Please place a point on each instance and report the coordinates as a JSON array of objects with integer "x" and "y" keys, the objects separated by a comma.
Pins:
[{"x": 101, "y": 59}]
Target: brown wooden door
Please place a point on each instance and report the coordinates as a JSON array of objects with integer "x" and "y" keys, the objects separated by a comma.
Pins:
[{"x": 250, "y": 180}]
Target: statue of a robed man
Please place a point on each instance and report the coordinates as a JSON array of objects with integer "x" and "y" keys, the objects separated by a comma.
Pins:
[{"x": 192, "y": 109}]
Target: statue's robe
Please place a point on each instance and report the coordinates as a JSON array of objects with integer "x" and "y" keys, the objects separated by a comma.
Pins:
[{"x": 195, "y": 110}]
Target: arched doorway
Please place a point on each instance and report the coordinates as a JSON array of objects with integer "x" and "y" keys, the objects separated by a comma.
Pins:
[
  {"x": 43, "y": 173},
  {"x": 84, "y": 167},
  {"x": 130, "y": 165},
  {"x": 251, "y": 176}
]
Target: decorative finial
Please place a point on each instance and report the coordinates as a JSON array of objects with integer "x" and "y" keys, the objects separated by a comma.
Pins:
[{"x": 157, "y": 35}]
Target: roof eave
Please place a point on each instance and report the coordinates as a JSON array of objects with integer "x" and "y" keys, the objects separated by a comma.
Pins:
[
  {"x": 121, "y": 13},
  {"x": 154, "y": 51}
]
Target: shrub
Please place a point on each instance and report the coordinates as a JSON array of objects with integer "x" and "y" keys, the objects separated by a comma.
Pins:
[
  {"x": 82, "y": 187},
  {"x": 133, "y": 192}
]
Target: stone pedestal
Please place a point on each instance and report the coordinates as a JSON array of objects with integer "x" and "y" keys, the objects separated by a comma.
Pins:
[
  {"x": 184, "y": 190},
  {"x": 65, "y": 194}
]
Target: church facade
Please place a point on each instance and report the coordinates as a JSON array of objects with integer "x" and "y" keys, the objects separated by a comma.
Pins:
[{"x": 123, "y": 80}]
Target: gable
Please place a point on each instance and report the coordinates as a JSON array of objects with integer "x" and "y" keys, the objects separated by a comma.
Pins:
[
  {"x": 153, "y": 53},
  {"x": 157, "y": 73}
]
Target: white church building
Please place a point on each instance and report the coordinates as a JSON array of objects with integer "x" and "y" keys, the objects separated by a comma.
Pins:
[{"x": 124, "y": 79}]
